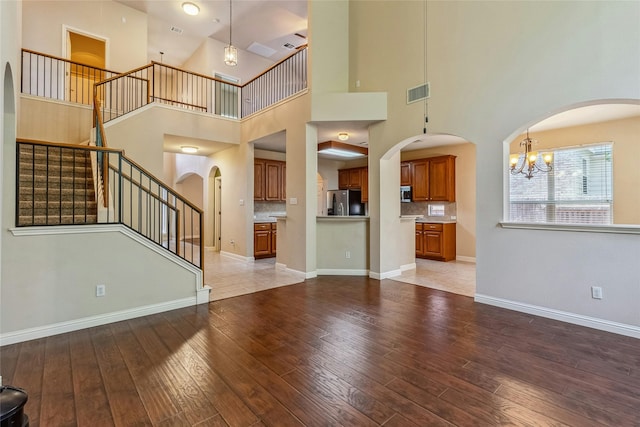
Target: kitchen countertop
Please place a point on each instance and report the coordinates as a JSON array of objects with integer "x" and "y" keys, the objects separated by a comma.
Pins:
[
  {"x": 430, "y": 220},
  {"x": 342, "y": 218}
]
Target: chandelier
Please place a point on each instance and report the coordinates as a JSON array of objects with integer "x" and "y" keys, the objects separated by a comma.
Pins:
[
  {"x": 230, "y": 52},
  {"x": 530, "y": 163}
]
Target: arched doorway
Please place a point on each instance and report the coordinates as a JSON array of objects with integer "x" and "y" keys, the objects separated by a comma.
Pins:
[
  {"x": 213, "y": 231},
  {"x": 455, "y": 215},
  {"x": 8, "y": 131}
]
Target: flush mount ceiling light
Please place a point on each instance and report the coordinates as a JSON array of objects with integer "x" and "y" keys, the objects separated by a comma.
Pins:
[
  {"x": 343, "y": 136},
  {"x": 230, "y": 52},
  {"x": 529, "y": 159},
  {"x": 343, "y": 150},
  {"x": 189, "y": 149},
  {"x": 190, "y": 8}
]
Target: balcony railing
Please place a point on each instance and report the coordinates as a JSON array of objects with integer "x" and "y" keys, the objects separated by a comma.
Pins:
[
  {"x": 57, "y": 78},
  {"x": 160, "y": 83}
]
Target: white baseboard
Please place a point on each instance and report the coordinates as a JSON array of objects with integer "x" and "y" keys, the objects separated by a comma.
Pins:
[
  {"x": 91, "y": 321},
  {"x": 466, "y": 258},
  {"x": 202, "y": 295},
  {"x": 406, "y": 267},
  {"x": 237, "y": 257},
  {"x": 341, "y": 272},
  {"x": 564, "y": 316},
  {"x": 385, "y": 275}
]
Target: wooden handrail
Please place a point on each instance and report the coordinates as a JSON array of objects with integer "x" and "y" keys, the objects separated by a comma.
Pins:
[
  {"x": 274, "y": 65},
  {"x": 125, "y": 75},
  {"x": 195, "y": 74},
  {"x": 169, "y": 190},
  {"x": 200, "y": 107},
  {"x": 66, "y": 145},
  {"x": 103, "y": 138},
  {"x": 68, "y": 60}
]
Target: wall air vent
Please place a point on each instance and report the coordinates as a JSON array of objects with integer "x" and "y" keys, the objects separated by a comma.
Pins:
[
  {"x": 418, "y": 93},
  {"x": 176, "y": 30}
]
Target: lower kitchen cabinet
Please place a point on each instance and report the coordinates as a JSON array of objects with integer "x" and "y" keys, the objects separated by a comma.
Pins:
[
  {"x": 264, "y": 239},
  {"x": 436, "y": 241}
]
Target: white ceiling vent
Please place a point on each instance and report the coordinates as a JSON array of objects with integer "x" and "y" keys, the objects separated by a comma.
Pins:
[
  {"x": 260, "y": 49},
  {"x": 418, "y": 93},
  {"x": 176, "y": 30}
]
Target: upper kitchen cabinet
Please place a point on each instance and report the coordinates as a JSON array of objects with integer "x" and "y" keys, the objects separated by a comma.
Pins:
[
  {"x": 269, "y": 180},
  {"x": 405, "y": 173},
  {"x": 350, "y": 179},
  {"x": 434, "y": 179}
]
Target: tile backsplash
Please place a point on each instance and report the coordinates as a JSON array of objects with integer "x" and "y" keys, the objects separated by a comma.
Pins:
[
  {"x": 265, "y": 209},
  {"x": 422, "y": 208}
]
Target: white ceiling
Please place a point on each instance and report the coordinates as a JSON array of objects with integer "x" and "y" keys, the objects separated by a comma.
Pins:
[{"x": 270, "y": 23}]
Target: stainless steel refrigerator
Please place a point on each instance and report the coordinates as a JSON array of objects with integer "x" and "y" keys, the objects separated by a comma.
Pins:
[{"x": 344, "y": 203}]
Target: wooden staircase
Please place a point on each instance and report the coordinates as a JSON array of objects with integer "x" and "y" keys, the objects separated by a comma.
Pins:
[{"x": 55, "y": 186}]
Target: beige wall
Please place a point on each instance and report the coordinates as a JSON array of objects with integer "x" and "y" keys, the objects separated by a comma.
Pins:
[
  {"x": 124, "y": 27},
  {"x": 291, "y": 117},
  {"x": 488, "y": 99},
  {"x": 626, "y": 152},
  {"x": 49, "y": 120},
  {"x": 465, "y": 191}
]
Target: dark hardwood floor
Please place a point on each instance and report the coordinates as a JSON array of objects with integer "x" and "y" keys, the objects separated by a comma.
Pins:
[{"x": 331, "y": 351}]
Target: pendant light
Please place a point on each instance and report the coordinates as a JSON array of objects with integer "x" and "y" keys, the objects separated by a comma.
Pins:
[{"x": 230, "y": 52}]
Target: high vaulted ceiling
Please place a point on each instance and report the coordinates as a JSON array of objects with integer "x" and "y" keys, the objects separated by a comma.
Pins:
[{"x": 259, "y": 26}]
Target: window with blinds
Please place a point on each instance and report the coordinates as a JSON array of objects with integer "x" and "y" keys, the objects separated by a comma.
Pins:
[{"x": 577, "y": 191}]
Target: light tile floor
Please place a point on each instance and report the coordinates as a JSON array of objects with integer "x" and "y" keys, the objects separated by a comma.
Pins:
[
  {"x": 230, "y": 277},
  {"x": 458, "y": 277}
]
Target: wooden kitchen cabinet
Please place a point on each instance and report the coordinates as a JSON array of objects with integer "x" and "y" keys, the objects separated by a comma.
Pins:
[
  {"x": 258, "y": 179},
  {"x": 433, "y": 179},
  {"x": 436, "y": 241},
  {"x": 351, "y": 179},
  {"x": 269, "y": 180},
  {"x": 364, "y": 179},
  {"x": 264, "y": 239},
  {"x": 405, "y": 173}
]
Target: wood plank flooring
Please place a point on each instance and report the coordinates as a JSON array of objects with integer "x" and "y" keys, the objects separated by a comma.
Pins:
[{"x": 328, "y": 352}]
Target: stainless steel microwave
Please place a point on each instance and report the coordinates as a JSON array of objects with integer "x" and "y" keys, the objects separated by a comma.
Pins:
[{"x": 405, "y": 193}]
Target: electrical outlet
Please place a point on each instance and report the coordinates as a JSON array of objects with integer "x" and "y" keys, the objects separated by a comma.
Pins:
[
  {"x": 596, "y": 292},
  {"x": 347, "y": 254},
  {"x": 233, "y": 242},
  {"x": 100, "y": 290}
]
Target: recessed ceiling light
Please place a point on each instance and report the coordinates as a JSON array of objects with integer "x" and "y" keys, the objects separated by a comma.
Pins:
[
  {"x": 189, "y": 149},
  {"x": 190, "y": 8}
]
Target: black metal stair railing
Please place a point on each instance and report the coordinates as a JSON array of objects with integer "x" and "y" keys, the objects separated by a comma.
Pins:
[{"x": 61, "y": 184}]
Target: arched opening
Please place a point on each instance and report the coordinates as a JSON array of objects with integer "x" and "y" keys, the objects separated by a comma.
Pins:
[
  {"x": 445, "y": 233},
  {"x": 191, "y": 187},
  {"x": 8, "y": 131},
  {"x": 591, "y": 178},
  {"x": 213, "y": 231}
]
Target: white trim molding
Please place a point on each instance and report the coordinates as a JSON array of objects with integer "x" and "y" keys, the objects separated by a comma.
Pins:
[
  {"x": 237, "y": 257},
  {"x": 591, "y": 228},
  {"x": 385, "y": 275},
  {"x": 564, "y": 316},
  {"x": 407, "y": 267},
  {"x": 466, "y": 258},
  {"x": 91, "y": 321}
]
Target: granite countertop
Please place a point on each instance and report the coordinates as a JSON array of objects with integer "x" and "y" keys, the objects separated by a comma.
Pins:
[{"x": 343, "y": 217}]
